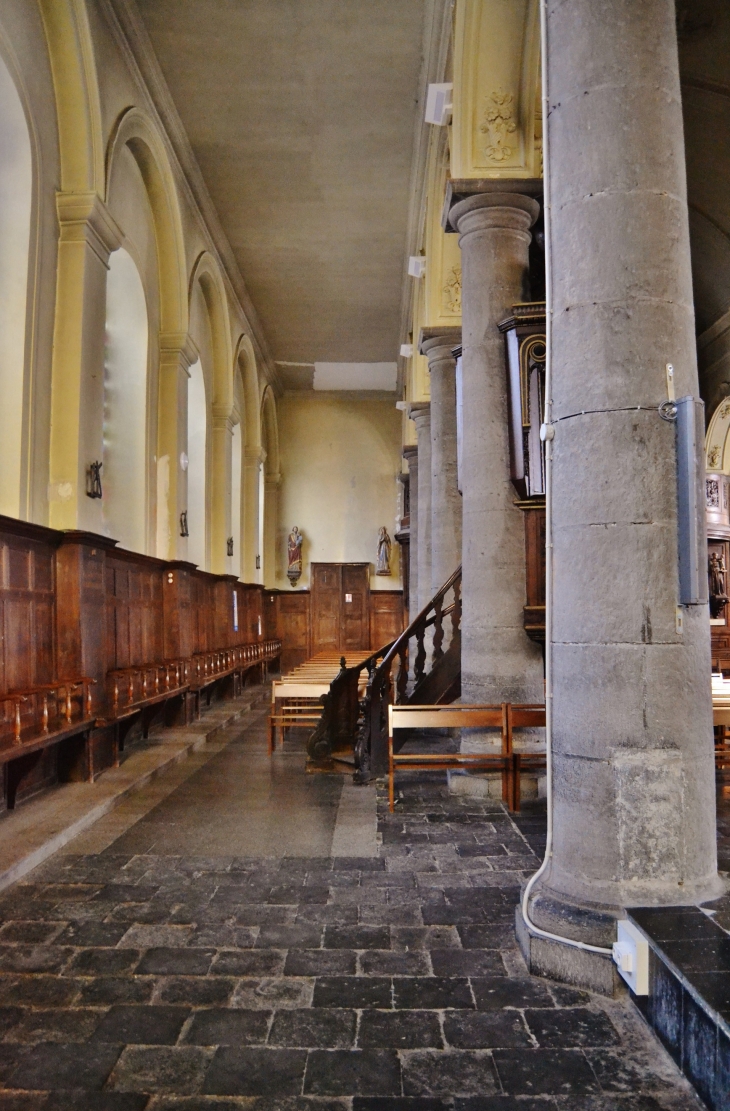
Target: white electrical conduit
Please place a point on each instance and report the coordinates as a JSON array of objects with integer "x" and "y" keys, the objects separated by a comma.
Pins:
[{"x": 546, "y": 434}]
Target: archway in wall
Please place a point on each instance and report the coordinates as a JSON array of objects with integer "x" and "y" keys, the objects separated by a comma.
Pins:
[
  {"x": 236, "y": 493},
  {"x": 124, "y": 474},
  {"x": 197, "y": 455},
  {"x": 16, "y": 199}
]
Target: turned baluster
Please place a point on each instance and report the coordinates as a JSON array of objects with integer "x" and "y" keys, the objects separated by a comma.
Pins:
[
  {"x": 115, "y": 696},
  {"x": 420, "y": 663},
  {"x": 144, "y": 684},
  {"x": 69, "y": 707},
  {"x": 45, "y": 711},
  {"x": 130, "y": 688},
  {"x": 456, "y": 611},
  {"x": 16, "y": 724},
  {"x": 402, "y": 683},
  {"x": 87, "y": 697},
  {"x": 438, "y": 636}
]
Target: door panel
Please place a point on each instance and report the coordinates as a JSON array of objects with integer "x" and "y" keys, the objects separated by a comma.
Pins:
[
  {"x": 326, "y": 592},
  {"x": 355, "y": 607}
]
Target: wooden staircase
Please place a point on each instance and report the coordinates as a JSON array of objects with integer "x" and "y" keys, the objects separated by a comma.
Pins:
[{"x": 423, "y": 666}]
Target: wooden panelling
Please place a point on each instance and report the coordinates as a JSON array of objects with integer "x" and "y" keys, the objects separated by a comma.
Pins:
[
  {"x": 386, "y": 617},
  {"x": 326, "y": 606},
  {"x": 355, "y": 610},
  {"x": 534, "y": 611},
  {"x": 72, "y": 605}
]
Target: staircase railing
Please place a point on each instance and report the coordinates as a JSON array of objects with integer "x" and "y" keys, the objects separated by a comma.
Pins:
[{"x": 434, "y": 676}]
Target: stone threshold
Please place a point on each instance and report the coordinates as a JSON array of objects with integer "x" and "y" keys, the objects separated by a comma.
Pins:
[
  {"x": 42, "y": 826},
  {"x": 688, "y": 1005}
]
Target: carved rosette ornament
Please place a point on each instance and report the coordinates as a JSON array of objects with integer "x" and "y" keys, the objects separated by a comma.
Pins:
[
  {"x": 498, "y": 124},
  {"x": 452, "y": 291}
]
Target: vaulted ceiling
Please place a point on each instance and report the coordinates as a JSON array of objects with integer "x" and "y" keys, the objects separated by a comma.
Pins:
[{"x": 301, "y": 114}]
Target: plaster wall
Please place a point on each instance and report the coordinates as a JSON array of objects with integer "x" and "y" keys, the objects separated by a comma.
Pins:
[{"x": 340, "y": 461}]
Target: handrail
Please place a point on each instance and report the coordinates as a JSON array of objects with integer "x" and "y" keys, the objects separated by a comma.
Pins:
[{"x": 413, "y": 628}]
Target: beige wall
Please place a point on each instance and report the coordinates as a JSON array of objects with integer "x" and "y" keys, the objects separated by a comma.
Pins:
[{"x": 340, "y": 458}]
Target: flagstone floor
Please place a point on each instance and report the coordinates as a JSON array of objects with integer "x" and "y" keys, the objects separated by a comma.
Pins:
[{"x": 160, "y": 967}]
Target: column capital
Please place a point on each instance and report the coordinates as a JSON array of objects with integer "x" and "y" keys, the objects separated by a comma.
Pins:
[
  {"x": 420, "y": 414},
  {"x": 179, "y": 348},
  {"x": 506, "y": 211},
  {"x": 410, "y": 454},
  {"x": 253, "y": 456},
  {"x": 442, "y": 340},
  {"x": 461, "y": 189},
  {"x": 84, "y": 218}
]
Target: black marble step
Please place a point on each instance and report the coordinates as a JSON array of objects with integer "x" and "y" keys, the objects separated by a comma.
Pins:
[{"x": 688, "y": 1004}]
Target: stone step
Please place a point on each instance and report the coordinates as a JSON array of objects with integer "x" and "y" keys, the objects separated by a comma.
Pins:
[{"x": 33, "y": 832}]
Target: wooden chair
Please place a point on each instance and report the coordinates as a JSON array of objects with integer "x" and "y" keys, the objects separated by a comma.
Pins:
[
  {"x": 525, "y": 716},
  {"x": 451, "y": 717}
]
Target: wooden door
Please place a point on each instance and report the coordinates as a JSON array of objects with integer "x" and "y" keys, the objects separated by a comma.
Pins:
[
  {"x": 326, "y": 603},
  {"x": 355, "y": 607}
]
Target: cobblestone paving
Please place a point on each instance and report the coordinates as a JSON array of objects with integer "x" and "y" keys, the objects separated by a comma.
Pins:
[{"x": 387, "y": 984}]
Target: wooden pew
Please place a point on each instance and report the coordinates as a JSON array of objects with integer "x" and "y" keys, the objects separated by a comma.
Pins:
[
  {"x": 51, "y": 718},
  {"x": 504, "y": 716}
]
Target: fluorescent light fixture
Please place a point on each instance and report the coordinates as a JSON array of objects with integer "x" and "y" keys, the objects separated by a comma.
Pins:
[
  {"x": 439, "y": 103},
  {"x": 406, "y": 350},
  {"x": 355, "y": 376},
  {"x": 417, "y": 266}
]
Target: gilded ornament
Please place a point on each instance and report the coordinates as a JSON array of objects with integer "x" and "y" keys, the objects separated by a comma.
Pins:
[
  {"x": 452, "y": 291},
  {"x": 498, "y": 124}
]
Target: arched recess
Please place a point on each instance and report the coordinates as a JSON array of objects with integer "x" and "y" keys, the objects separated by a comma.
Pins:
[
  {"x": 78, "y": 106},
  {"x": 207, "y": 276},
  {"x": 198, "y": 455},
  {"x": 135, "y": 132},
  {"x": 16, "y": 208},
  {"x": 238, "y": 444},
  {"x": 271, "y": 481},
  {"x": 124, "y": 454},
  {"x": 252, "y": 460},
  {"x": 717, "y": 440}
]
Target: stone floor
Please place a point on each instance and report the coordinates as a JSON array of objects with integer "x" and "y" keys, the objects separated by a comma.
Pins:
[{"x": 205, "y": 949}]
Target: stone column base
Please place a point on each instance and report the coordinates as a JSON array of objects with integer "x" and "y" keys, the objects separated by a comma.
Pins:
[{"x": 565, "y": 963}]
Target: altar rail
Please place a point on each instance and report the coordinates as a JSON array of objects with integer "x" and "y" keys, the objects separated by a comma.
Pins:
[{"x": 76, "y": 608}]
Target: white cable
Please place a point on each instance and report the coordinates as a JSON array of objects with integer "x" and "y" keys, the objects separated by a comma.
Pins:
[{"x": 547, "y": 433}]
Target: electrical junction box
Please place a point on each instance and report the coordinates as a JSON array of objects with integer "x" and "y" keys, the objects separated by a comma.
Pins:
[{"x": 631, "y": 956}]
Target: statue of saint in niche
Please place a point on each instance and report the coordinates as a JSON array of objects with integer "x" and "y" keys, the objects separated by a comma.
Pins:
[
  {"x": 382, "y": 566},
  {"x": 294, "y": 554},
  {"x": 718, "y": 595}
]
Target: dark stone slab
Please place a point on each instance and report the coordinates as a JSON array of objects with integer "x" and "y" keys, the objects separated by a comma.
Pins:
[
  {"x": 432, "y": 992},
  {"x": 466, "y": 962},
  {"x": 320, "y": 962},
  {"x": 493, "y": 993},
  {"x": 49, "y": 1065},
  {"x": 353, "y": 991},
  {"x": 575, "y": 1026},
  {"x": 560, "y": 1072},
  {"x": 255, "y": 1072},
  {"x": 220, "y": 1026},
  {"x": 107, "y": 990},
  {"x": 400, "y": 1030},
  {"x": 485, "y": 1030},
  {"x": 357, "y": 1072},
  {"x": 357, "y": 937},
  {"x": 172, "y": 962},
  {"x": 150, "y": 1025},
  {"x": 317, "y": 1028}
]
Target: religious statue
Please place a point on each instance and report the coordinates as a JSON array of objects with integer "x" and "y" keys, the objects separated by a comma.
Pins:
[
  {"x": 294, "y": 553},
  {"x": 384, "y": 545},
  {"x": 718, "y": 595}
]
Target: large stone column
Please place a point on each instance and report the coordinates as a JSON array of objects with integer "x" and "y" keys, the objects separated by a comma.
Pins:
[
  {"x": 421, "y": 416},
  {"x": 634, "y": 807},
  {"x": 498, "y": 661},
  {"x": 410, "y": 454},
  {"x": 445, "y": 496}
]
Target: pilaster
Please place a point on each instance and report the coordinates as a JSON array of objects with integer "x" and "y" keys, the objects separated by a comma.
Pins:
[{"x": 177, "y": 354}]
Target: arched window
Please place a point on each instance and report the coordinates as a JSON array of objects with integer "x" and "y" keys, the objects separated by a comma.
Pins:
[
  {"x": 124, "y": 474},
  {"x": 16, "y": 198},
  {"x": 236, "y": 472},
  {"x": 197, "y": 435}
]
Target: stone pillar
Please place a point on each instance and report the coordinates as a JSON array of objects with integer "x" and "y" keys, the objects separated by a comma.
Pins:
[
  {"x": 410, "y": 454},
  {"x": 253, "y": 461},
  {"x": 177, "y": 354},
  {"x": 634, "y": 806},
  {"x": 445, "y": 496},
  {"x": 498, "y": 660},
  {"x": 420, "y": 414},
  {"x": 220, "y": 509},
  {"x": 88, "y": 235}
]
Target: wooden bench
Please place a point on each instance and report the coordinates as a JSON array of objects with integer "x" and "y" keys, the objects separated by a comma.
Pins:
[
  {"x": 53, "y": 718},
  {"x": 138, "y": 693},
  {"x": 208, "y": 668},
  {"x": 504, "y": 716}
]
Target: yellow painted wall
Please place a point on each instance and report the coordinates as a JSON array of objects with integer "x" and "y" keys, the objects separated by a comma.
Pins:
[{"x": 340, "y": 458}]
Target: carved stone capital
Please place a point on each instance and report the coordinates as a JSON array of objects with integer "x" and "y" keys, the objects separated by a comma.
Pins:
[
  {"x": 466, "y": 189},
  {"x": 513, "y": 212},
  {"x": 438, "y": 343},
  {"x": 84, "y": 218},
  {"x": 178, "y": 349}
]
